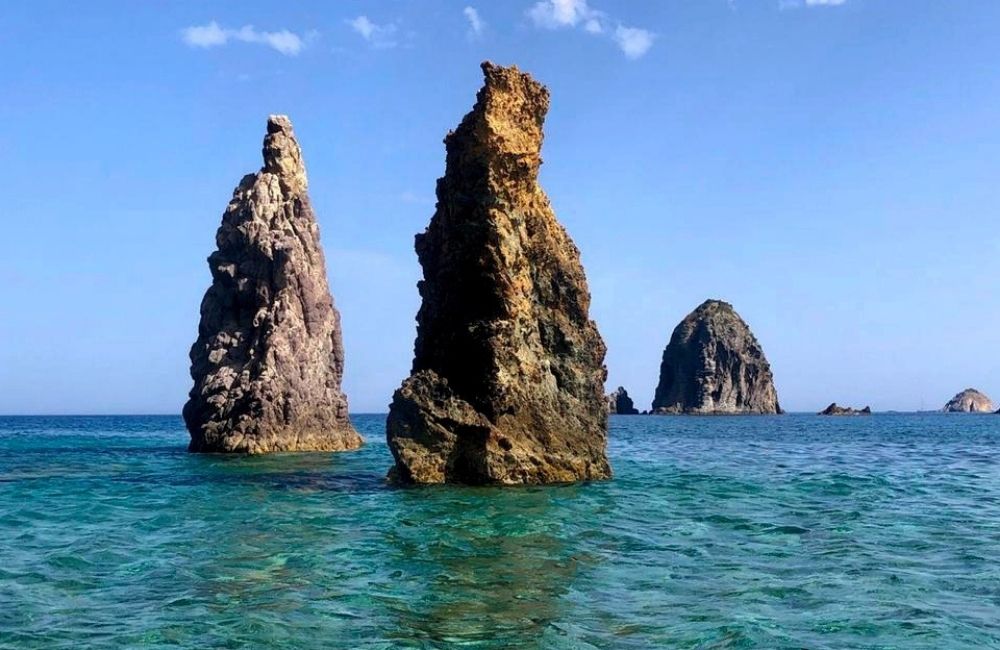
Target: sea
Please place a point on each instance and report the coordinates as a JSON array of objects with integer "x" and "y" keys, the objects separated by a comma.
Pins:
[{"x": 794, "y": 531}]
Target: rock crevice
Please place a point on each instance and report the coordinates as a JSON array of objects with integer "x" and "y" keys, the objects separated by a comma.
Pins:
[
  {"x": 268, "y": 361},
  {"x": 508, "y": 371}
]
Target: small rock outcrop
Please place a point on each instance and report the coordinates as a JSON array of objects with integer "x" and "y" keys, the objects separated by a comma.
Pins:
[
  {"x": 619, "y": 403},
  {"x": 969, "y": 400},
  {"x": 268, "y": 361},
  {"x": 834, "y": 409},
  {"x": 713, "y": 364},
  {"x": 508, "y": 374}
]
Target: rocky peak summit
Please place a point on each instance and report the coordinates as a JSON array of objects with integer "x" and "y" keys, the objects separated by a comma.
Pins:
[
  {"x": 282, "y": 155},
  {"x": 268, "y": 361},
  {"x": 713, "y": 364},
  {"x": 508, "y": 369},
  {"x": 505, "y": 125}
]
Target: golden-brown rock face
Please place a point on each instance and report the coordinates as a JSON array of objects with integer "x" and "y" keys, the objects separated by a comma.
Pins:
[
  {"x": 508, "y": 374},
  {"x": 268, "y": 361}
]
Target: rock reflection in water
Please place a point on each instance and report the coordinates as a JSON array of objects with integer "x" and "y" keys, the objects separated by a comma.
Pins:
[{"x": 484, "y": 568}]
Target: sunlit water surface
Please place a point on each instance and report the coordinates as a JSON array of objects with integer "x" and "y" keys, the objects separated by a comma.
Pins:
[{"x": 769, "y": 532}]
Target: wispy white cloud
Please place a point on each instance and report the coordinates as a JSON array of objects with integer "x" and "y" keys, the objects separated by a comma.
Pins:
[
  {"x": 593, "y": 26},
  {"x": 634, "y": 42},
  {"x": 556, "y": 14},
  {"x": 208, "y": 35},
  {"x": 378, "y": 36},
  {"x": 213, "y": 35},
  {"x": 476, "y": 23},
  {"x": 578, "y": 14}
]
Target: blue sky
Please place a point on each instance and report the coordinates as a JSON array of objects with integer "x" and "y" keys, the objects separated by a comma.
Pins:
[{"x": 830, "y": 168}]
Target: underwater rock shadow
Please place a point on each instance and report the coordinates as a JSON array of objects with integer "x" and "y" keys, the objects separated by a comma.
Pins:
[{"x": 268, "y": 474}]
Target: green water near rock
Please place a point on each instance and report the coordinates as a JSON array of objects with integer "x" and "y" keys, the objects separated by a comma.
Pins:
[{"x": 771, "y": 532}]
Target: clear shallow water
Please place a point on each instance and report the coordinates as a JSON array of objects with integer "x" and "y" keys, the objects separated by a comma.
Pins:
[{"x": 770, "y": 532}]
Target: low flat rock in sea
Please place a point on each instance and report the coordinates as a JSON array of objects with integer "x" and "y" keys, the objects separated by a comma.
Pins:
[{"x": 835, "y": 409}]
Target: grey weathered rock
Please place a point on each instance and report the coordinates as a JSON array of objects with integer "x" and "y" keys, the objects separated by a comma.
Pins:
[
  {"x": 268, "y": 361},
  {"x": 619, "y": 403},
  {"x": 834, "y": 409},
  {"x": 508, "y": 372},
  {"x": 969, "y": 400},
  {"x": 714, "y": 365}
]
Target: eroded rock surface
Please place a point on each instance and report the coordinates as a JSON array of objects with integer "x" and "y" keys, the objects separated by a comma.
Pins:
[
  {"x": 619, "y": 403},
  {"x": 713, "y": 364},
  {"x": 268, "y": 361},
  {"x": 508, "y": 371},
  {"x": 834, "y": 409},
  {"x": 969, "y": 400}
]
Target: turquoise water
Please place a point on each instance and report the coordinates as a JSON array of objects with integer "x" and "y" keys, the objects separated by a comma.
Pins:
[{"x": 769, "y": 532}]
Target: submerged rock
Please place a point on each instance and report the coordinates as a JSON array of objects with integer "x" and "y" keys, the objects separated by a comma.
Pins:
[
  {"x": 620, "y": 403},
  {"x": 714, "y": 365},
  {"x": 969, "y": 400},
  {"x": 508, "y": 370},
  {"x": 833, "y": 409},
  {"x": 268, "y": 361}
]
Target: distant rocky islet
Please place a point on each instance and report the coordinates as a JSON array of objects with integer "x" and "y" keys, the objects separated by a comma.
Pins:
[
  {"x": 714, "y": 365},
  {"x": 835, "y": 409},
  {"x": 969, "y": 400},
  {"x": 619, "y": 403}
]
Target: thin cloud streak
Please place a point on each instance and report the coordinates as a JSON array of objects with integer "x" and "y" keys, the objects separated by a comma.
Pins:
[
  {"x": 476, "y": 23},
  {"x": 214, "y": 35},
  {"x": 378, "y": 36}
]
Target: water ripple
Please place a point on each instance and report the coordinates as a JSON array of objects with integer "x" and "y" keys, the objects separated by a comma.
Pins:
[{"x": 784, "y": 532}]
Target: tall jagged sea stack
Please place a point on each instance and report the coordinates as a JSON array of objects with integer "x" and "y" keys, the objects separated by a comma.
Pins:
[
  {"x": 713, "y": 364},
  {"x": 508, "y": 371},
  {"x": 268, "y": 362}
]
